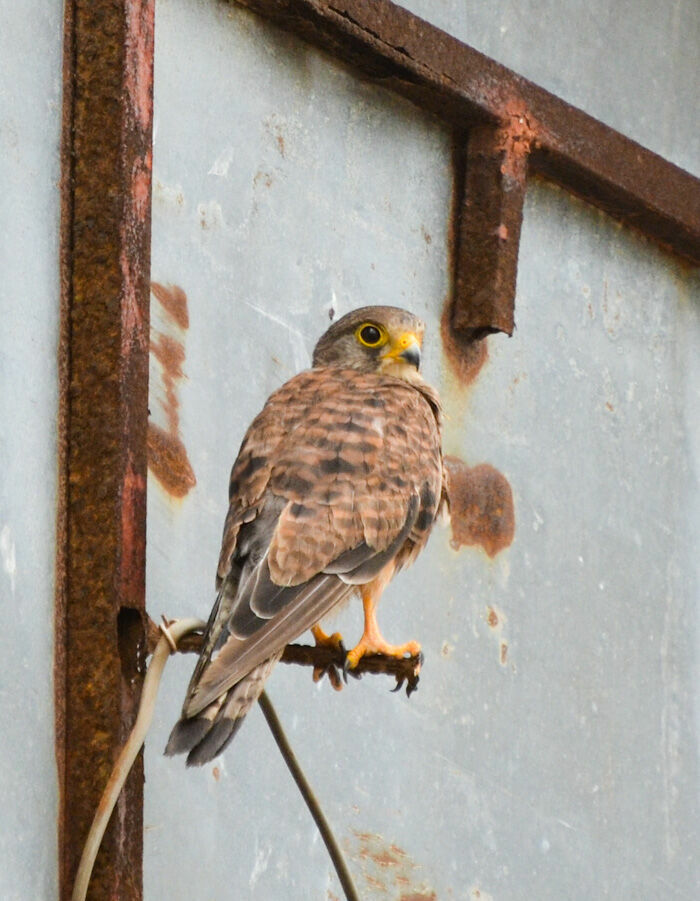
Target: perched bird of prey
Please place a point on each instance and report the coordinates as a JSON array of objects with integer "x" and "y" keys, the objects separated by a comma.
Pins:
[{"x": 336, "y": 487}]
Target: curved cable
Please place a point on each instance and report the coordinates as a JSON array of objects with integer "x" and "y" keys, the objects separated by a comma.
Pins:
[
  {"x": 165, "y": 646},
  {"x": 129, "y": 752}
]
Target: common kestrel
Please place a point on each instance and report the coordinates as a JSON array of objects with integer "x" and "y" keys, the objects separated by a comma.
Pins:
[{"x": 335, "y": 488}]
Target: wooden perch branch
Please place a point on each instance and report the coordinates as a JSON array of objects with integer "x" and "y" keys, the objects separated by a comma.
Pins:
[{"x": 325, "y": 660}]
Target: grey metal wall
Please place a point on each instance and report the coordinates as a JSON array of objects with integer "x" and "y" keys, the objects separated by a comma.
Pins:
[
  {"x": 30, "y": 115},
  {"x": 551, "y": 751}
]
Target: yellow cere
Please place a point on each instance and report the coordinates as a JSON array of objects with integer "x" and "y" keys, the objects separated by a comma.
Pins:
[{"x": 407, "y": 339}]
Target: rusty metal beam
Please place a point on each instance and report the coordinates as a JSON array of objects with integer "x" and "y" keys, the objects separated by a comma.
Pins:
[
  {"x": 467, "y": 89},
  {"x": 105, "y": 259},
  {"x": 487, "y": 231}
]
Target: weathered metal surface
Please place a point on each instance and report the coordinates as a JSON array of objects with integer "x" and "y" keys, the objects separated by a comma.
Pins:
[
  {"x": 30, "y": 136},
  {"x": 550, "y": 746},
  {"x": 466, "y": 88},
  {"x": 487, "y": 229},
  {"x": 100, "y": 637}
]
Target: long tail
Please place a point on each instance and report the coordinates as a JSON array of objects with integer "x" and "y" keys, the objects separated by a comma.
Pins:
[{"x": 204, "y": 736}]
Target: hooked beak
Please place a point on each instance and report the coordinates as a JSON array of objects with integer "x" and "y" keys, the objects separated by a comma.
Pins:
[{"x": 405, "y": 350}]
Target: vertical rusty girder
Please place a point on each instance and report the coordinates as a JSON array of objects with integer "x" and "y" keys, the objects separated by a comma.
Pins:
[
  {"x": 487, "y": 230},
  {"x": 100, "y": 628}
]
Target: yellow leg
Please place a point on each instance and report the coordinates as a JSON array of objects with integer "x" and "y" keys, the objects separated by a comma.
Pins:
[{"x": 372, "y": 641}]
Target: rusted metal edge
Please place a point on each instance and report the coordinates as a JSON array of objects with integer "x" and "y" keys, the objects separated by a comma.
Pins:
[
  {"x": 103, "y": 372},
  {"x": 466, "y": 88},
  {"x": 488, "y": 219}
]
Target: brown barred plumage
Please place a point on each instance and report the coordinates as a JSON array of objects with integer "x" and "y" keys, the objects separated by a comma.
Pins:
[{"x": 336, "y": 487}]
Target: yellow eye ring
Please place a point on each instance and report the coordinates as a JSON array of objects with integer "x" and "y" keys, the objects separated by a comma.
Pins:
[{"x": 371, "y": 335}]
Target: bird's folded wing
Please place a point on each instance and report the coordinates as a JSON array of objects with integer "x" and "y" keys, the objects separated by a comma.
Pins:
[{"x": 325, "y": 490}]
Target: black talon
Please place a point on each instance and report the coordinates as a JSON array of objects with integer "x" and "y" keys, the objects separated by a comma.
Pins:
[
  {"x": 333, "y": 676},
  {"x": 412, "y": 686},
  {"x": 347, "y": 671}
]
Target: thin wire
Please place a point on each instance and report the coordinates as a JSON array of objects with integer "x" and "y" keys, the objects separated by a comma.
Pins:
[{"x": 309, "y": 797}]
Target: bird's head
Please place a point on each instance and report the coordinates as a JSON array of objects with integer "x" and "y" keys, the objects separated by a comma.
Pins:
[{"x": 385, "y": 340}]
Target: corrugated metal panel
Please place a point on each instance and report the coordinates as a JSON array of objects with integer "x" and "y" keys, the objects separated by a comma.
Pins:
[
  {"x": 30, "y": 117},
  {"x": 547, "y": 752}
]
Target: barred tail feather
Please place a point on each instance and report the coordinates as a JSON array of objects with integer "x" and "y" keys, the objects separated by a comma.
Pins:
[{"x": 205, "y": 735}]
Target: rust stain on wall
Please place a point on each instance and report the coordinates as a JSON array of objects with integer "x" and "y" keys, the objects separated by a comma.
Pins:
[
  {"x": 465, "y": 356},
  {"x": 171, "y": 355},
  {"x": 173, "y": 300},
  {"x": 387, "y": 868},
  {"x": 481, "y": 506},
  {"x": 496, "y": 620},
  {"x": 167, "y": 460},
  {"x": 167, "y": 454}
]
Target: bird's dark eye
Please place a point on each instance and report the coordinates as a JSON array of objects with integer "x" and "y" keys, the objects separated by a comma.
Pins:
[{"x": 370, "y": 335}]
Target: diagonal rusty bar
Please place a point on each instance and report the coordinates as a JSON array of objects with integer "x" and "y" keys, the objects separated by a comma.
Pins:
[
  {"x": 464, "y": 87},
  {"x": 105, "y": 258},
  {"x": 467, "y": 89}
]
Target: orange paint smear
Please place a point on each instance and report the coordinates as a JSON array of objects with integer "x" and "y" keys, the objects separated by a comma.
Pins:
[{"x": 481, "y": 506}]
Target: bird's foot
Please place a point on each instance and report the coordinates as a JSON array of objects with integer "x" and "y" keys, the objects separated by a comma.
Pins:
[
  {"x": 327, "y": 641},
  {"x": 335, "y": 643},
  {"x": 377, "y": 645}
]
